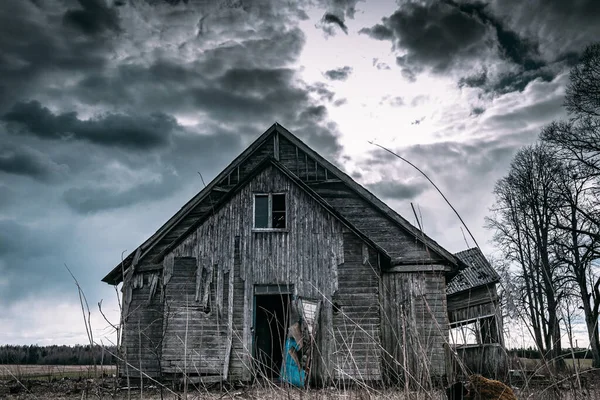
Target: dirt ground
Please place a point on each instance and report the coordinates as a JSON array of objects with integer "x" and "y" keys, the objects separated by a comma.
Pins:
[
  {"x": 108, "y": 388},
  {"x": 90, "y": 389}
]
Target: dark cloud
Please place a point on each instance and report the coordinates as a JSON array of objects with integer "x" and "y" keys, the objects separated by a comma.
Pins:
[
  {"x": 451, "y": 161},
  {"x": 314, "y": 112},
  {"x": 36, "y": 50},
  {"x": 134, "y": 132},
  {"x": 322, "y": 90},
  {"x": 91, "y": 199},
  {"x": 240, "y": 96},
  {"x": 394, "y": 190},
  {"x": 14, "y": 237},
  {"x": 7, "y": 196},
  {"x": 519, "y": 50},
  {"x": 321, "y": 135},
  {"x": 332, "y": 19},
  {"x": 518, "y": 81},
  {"x": 255, "y": 81},
  {"x": 509, "y": 81},
  {"x": 339, "y": 74},
  {"x": 335, "y": 16},
  {"x": 94, "y": 17},
  {"x": 344, "y": 7},
  {"x": 378, "y": 32},
  {"x": 29, "y": 162},
  {"x": 477, "y": 110},
  {"x": 559, "y": 28},
  {"x": 435, "y": 35},
  {"x": 448, "y": 35},
  {"x": 32, "y": 259},
  {"x": 278, "y": 49},
  {"x": 120, "y": 107},
  {"x": 475, "y": 80}
]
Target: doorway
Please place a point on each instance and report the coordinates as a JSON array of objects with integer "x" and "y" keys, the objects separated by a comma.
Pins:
[{"x": 271, "y": 319}]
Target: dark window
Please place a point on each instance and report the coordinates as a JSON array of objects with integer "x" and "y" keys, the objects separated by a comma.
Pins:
[
  {"x": 270, "y": 211},
  {"x": 278, "y": 211},
  {"x": 261, "y": 211}
]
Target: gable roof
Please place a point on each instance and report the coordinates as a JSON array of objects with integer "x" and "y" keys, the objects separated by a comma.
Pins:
[
  {"x": 202, "y": 203},
  {"x": 290, "y": 175},
  {"x": 478, "y": 272}
]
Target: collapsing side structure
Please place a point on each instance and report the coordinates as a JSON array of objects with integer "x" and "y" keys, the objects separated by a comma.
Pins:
[
  {"x": 475, "y": 318},
  {"x": 285, "y": 268}
]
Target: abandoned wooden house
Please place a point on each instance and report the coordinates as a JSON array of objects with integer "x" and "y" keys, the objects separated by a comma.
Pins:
[{"x": 285, "y": 258}]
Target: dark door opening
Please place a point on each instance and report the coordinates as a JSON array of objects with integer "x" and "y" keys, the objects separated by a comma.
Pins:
[{"x": 270, "y": 330}]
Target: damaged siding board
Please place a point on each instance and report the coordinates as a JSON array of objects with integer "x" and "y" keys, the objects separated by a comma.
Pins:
[
  {"x": 473, "y": 303},
  {"x": 302, "y": 256},
  {"x": 143, "y": 326},
  {"x": 414, "y": 325},
  {"x": 356, "y": 318},
  {"x": 194, "y": 338}
]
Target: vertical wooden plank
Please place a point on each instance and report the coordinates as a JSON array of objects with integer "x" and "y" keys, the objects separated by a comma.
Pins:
[
  {"x": 306, "y": 166},
  {"x": 276, "y": 145},
  {"x": 229, "y": 326},
  {"x": 297, "y": 163}
]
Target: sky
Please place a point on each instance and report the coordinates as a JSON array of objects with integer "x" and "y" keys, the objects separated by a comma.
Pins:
[{"x": 109, "y": 109}]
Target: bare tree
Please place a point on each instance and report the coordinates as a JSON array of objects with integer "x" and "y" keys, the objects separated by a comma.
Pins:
[
  {"x": 578, "y": 143},
  {"x": 578, "y": 140},
  {"x": 582, "y": 98},
  {"x": 577, "y": 247},
  {"x": 526, "y": 204}
]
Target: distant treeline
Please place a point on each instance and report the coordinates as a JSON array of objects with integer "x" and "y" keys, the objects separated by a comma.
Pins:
[
  {"x": 536, "y": 354},
  {"x": 56, "y": 355}
]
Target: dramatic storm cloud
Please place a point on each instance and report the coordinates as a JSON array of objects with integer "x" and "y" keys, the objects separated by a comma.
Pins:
[{"x": 112, "y": 110}]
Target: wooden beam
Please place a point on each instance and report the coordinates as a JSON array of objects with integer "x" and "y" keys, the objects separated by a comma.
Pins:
[
  {"x": 325, "y": 182},
  {"x": 276, "y": 145},
  {"x": 420, "y": 268},
  {"x": 149, "y": 267}
]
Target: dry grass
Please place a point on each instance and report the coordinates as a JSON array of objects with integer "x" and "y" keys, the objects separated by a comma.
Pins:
[
  {"x": 50, "y": 372},
  {"x": 90, "y": 389}
]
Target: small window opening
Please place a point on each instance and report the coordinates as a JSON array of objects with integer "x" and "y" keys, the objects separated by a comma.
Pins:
[
  {"x": 261, "y": 211},
  {"x": 278, "y": 214},
  {"x": 270, "y": 211}
]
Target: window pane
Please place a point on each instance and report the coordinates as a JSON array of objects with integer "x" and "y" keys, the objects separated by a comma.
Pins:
[
  {"x": 278, "y": 204},
  {"x": 261, "y": 211},
  {"x": 278, "y": 219}
]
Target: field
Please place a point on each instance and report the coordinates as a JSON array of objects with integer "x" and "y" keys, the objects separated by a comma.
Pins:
[{"x": 53, "y": 372}]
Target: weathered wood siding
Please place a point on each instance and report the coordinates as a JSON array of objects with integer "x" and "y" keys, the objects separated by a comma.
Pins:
[
  {"x": 414, "y": 325},
  {"x": 310, "y": 255},
  {"x": 400, "y": 245},
  {"x": 472, "y": 304},
  {"x": 142, "y": 336},
  {"x": 479, "y": 305},
  {"x": 489, "y": 360},
  {"x": 194, "y": 338},
  {"x": 356, "y": 319},
  {"x": 205, "y": 207}
]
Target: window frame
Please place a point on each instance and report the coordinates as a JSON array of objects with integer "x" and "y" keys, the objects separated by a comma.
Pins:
[{"x": 269, "y": 228}]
